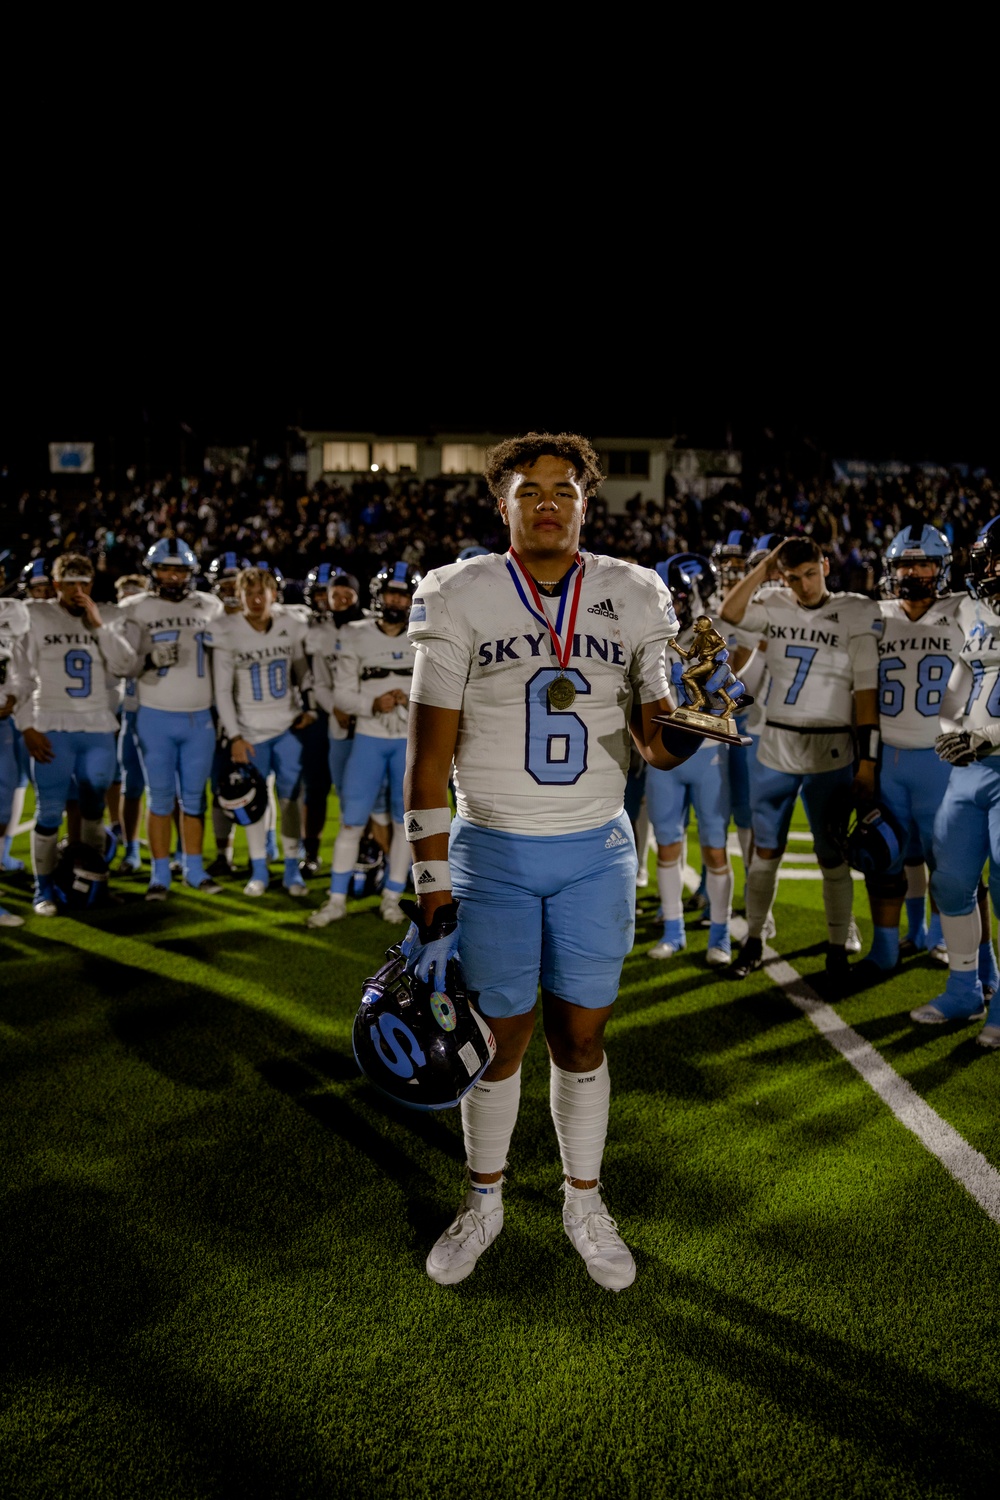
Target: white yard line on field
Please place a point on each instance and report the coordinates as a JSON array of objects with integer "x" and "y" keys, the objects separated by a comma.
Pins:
[{"x": 963, "y": 1161}]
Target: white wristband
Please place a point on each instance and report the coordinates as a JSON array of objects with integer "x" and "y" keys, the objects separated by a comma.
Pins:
[
  {"x": 431, "y": 875},
  {"x": 423, "y": 823}
]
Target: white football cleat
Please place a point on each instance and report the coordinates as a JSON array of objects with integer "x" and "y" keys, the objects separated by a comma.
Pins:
[
  {"x": 333, "y": 908},
  {"x": 939, "y": 953},
  {"x": 453, "y": 1254},
  {"x": 254, "y": 888},
  {"x": 853, "y": 940},
  {"x": 297, "y": 889},
  {"x": 9, "y": 918},
  {"x": 605, "y": 1254},
  {"x": 665, "y": 950},
  {"x": 770, "y": 930},
  {"x": 44, "y": 907},
  {"x": 390, "y": 910},
  {"x": 989, "y": 1036},
  {"x": 719, "y": 958}
]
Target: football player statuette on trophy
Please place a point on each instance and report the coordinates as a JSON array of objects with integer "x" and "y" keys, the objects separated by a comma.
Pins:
[{"x": 707, "y": 678}]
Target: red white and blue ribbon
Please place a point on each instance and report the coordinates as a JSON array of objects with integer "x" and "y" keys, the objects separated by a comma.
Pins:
[{"x": 519, "y": 572}]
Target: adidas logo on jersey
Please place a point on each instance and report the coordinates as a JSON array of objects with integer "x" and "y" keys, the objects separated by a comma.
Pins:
[
  {"x": 615, "y": 839},
  {"x": 426, "y": 878},
  {"x": 833, "y": 618},
  {"x": 607, "y": 610}
]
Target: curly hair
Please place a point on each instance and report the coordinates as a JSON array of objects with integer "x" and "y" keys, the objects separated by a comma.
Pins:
[
  {"x": 71, "y": 562},
  {"x": 514, "y": 453}
]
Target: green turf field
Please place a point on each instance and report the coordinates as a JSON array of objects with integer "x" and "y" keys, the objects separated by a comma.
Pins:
[{"x": 213, "y": 1235}]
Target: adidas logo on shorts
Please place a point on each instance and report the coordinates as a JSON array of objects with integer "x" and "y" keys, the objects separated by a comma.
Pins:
[
  {"x": 615, "y": 839},
  {"x": 606, "y": 609}
]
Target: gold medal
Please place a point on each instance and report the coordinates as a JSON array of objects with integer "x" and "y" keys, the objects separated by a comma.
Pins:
[{"x": 561, "y": 693}]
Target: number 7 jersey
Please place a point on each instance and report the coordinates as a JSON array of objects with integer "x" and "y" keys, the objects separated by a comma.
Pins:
[
  {"x": 916, "y": 659},
  {"x": 521, "y": 764}
]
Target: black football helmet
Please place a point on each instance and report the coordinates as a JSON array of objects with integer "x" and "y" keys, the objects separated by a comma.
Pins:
[
  {"x": 983, "y": 554},
  {"x": 242, "y": 793},
  {"x": 731, "y": 556},
  {"x": 693, "y": 580},
  {"x": 80, "y": 879},
  {"x": 266, "y": 566},
  {"x": 916, "y": 544},
  {"x": 422, "y": 1046},
  {"x": 874, "y": 843},
  {"x": 402, "y": 578}
]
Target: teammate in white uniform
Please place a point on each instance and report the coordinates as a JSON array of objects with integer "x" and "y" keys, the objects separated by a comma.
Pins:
[
  {"x": 125, "y": 792},
  {"x": 324, "y": 645},
  {"x": 373, "y": 671},
  {"x": 13, "y": 625},
  {"x": 967, "y": 824},
  {"x": 920, "y": 643},
  {"x": 823, "y": 663},
  {"x": 531, "y": 671},
  {"x": 262, "y": 693},
  {"x": 67, "y": 663},
  {"x": 702, "y": 783},
  {"x": 170, "y": 630}
]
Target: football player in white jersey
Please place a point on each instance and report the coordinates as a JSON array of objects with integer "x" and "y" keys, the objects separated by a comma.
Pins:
[
  {"x": 222, "y": 573},
  {"x": 823, "y": 663},
  {"x": 373, "y": 671},
  {"x": 920, "y": 643},
  {"x": 170, "y": 630},
  {"x": 125, "y": 792},
  {"x": 967, "y": 824},
  {"x": 702, "y": 783},
  {"x": 13, "y": 624},
  {"x": 67, "y": 663},
  {"x": 324, "y": 643},
  {"x": 262, "y": 691},
  {"x": 532, "y": 669}
]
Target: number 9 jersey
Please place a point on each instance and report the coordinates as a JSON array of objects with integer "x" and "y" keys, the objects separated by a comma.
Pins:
[
  {"x": 523, "y": 765},
  {"x": 916, "y": 660}
]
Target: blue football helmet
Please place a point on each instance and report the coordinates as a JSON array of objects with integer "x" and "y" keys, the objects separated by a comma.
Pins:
[
  {"x": 171, "y": 552},
  {"x": 226, "y": 565},
  {"x": 983, "y": 554},
  {"x": 242, "y": 793},
  {"x": 693, "y": 582},
  {"x": 916, "y": 544},
  {"x": 36, "y": 574},
  {"x": 317, "y": 587},
  {"x": 762, "y": 546},
  {"x": 468, "y": 552},
  {"x": 875, "y": 843},
  {"x": 731, "y": 556},
  {"x": 266, "y": 566},
  {"x": 423, "y": 1046}
]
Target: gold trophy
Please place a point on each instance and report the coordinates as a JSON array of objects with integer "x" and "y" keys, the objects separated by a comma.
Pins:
[{"x": 703, "y": 661}]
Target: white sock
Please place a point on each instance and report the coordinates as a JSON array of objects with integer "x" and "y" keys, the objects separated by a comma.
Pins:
[
  {"x": 16, "y": 809},
  {"x": 668, "y": 880},
  {"x": 291, "y": 827},
  {"x": 345, "y": 849},
  {"x": 257, "y": 838},
  {"x": 838, "y": 898},
  {"x": 489, "y": 1114},
  {"x": 93, "y": 835},
  {"x": 399, "y": 860},
  {"x": 916, "y": 882},
  {"x": 43, "y": 851},
  {"x": 270, "y": 819},
  {"x": 579, "y": 1103},
  {"x": 720, "y": 893},
  {"x": 762, "y": 882},
  {"x": 962, "y": 936},
  {"x": 745, "y": 836}
]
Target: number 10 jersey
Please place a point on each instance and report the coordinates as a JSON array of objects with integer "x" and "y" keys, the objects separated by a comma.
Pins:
[{"x": 521, "y": 765}]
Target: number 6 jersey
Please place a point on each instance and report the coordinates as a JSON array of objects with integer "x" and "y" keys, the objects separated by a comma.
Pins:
[{"x": 521, "y": 764}]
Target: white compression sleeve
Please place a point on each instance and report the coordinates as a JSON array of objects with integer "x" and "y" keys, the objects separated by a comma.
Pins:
[
  {"x": 257, "y": 838},
  {"x": 962, "y": 936},
  {"x": 838, "y": 898},
  {"x": 399, "y": 860},
  {"x": 579, "y": 1103},
  {"x": 720, "y": 894},
  {"x": 489, "y": 1114},
  {"x": 43, "y": 851},
  {"x": 916, "y": 882},
  {"x": 762, "y": 882},
  {"x": 345, "y": 849},
  {"x": 668, "y": 880}
]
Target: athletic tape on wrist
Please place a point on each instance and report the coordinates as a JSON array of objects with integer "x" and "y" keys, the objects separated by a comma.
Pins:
[
  {"x": 431, "y": 875},
  {"x": 868, "y": 742},
  {"x": 425, "y": 822}
]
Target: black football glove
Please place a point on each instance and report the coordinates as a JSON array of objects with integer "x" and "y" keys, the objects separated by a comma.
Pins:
[{"x": 960, "y": 748}]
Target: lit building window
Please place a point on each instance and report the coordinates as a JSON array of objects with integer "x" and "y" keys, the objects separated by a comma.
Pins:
[
  {"x": 462, "y": 458},
  {"x": 394, "y": 456},
  {"x": 345, "y": 458}
]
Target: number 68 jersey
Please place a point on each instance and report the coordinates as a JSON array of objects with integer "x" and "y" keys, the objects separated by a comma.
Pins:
[
  {"x": 521, "y": 764},
  {"x": 916, "y": 660}
]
